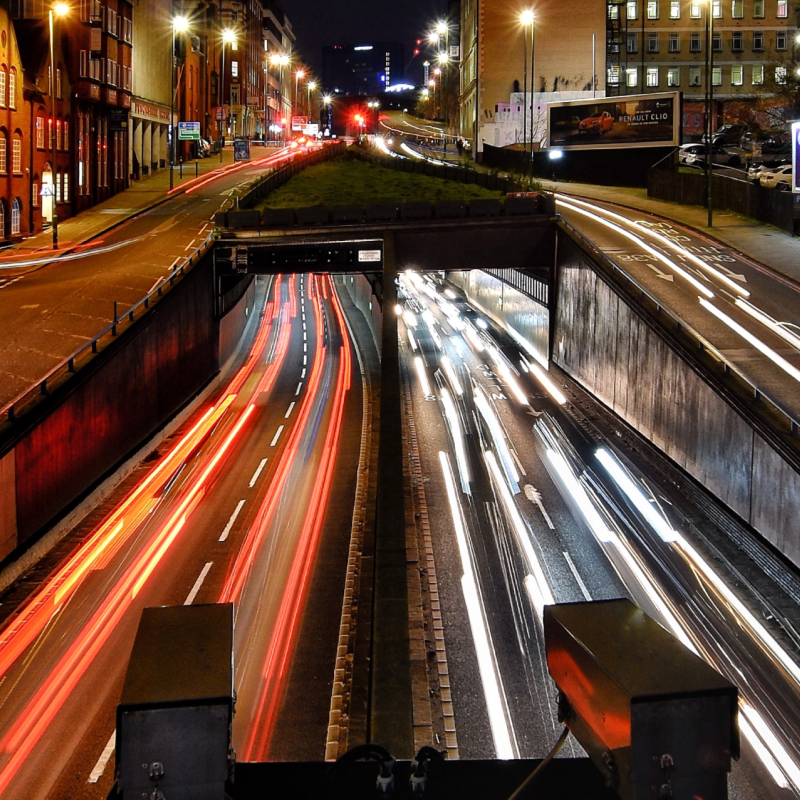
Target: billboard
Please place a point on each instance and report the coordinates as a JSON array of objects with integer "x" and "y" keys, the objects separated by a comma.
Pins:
[
  {"x": 298, "y": 122},
  {"x": 796, "y": 157},
  {"x": 641, "y": 120}
]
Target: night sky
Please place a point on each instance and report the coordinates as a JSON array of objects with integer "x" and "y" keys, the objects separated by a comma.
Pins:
[{"x": 321, "y": 22}]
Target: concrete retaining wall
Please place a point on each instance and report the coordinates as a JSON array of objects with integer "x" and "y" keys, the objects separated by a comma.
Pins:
[
  {"x": 361, "y": 293},
  {"x": 112, "y": 406},
  {"x": 607, "y": 347}
]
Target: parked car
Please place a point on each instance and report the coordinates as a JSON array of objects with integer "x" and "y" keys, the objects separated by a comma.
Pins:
[
  {"x": 730, "y": 133},
  {"x": 694, "y": 155},
  {"x": 757, "y": 171},
  {"x": 779, "y": 178},
  {"x": 599, "y": 123}
]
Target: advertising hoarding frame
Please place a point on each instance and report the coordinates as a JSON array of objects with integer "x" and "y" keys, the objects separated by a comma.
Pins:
[
  {"x": 568, "y": 137},
  {"x": 795, "y": 157}
]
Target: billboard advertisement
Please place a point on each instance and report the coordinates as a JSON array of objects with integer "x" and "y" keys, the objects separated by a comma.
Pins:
[
  {"x": 641, "y": 120},
  {"x": 796, "y": 157}
]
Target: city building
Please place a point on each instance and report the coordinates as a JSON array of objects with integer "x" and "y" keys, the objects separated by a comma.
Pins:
[
  {"x": 568, "y": 62},
  {"x": 660, "y": 45},
  {"x": 362, "y": 69}
]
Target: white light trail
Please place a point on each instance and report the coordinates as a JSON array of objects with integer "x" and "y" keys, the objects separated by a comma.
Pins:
[
  {"x": 769, "y": 750},
  {"x": 646, "y": 247},
  {"x": 412, "y": 341},
  {"x": 673, "y": 245},
  {"x": 451, "y": 415},
  {"x": 498, "y": 439},
  {"x": 449, "y": 370},
  {"x": 423, "y": 376},
  {"x": 636, "y": 496},
  {"x": 505, "y": 371},
  {"x": 770, "y": 323},
  {"x": 779, "y": 361},
  {"x": 496, "y": 706},
  {"x": 549, "y": 386}
]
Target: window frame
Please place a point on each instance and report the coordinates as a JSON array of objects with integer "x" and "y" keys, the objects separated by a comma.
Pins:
[
  {"x": 653, "y": 9},
  {"x": 737, "y": 69},
  {"x": 652, "y": 77},
  {"x": 653, "y": 42},
  {"x": 674, "y": 43},
  {"x": 675, "y": 9},
  {"x": 673, "y": 77}
]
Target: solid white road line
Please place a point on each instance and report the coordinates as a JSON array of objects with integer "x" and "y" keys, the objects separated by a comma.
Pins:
[
  {"x": 105, "y": 757},
  {"x": 577, "y": 577},
  {"x": 277, "y": 436},
  {"x": 228, "y": 527},
  {"x": 197, "y": 584}
]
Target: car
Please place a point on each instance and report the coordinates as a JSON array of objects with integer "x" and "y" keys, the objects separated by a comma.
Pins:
[
  {"x": 694, "y": 155},
  {"x": 779, "y": 178},
  {"x": 756, "y": 171},
  {"x": 568, "y": 123},
  {"x": 730, "y": 133},
  {"x": 599, "y": 123}
]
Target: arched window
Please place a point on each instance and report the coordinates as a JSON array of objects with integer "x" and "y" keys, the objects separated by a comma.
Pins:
[
  {"x": 16, "y": 216},
  {"x": 12, "y": 89},
  {"x": 3, "y": 88},
  {"x": 16, "y": 154},
  {"x": 3, "y": 153},
  {"x": 2, "y": 218}
]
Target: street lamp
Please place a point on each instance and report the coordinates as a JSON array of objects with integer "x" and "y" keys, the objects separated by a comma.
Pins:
[
  {"x": 709, "y": 106},
  {"x": 179, "y": 25},
  {"x": 297, "y": 75},
  {"x": 444, "y": 60},
  {"x": 526, "y": 18},
  {"x": 437, "y": 72},
  {"x": 281, "y": 61},
  {"x": 310, "y": 87},
  {"x": 228, "y": 37},
  {"x": 58, "y": 10},
  {"x": 374, "y": 105}
]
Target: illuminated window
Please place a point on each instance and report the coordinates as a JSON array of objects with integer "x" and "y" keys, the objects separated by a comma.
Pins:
[
  {"x": 613, "y": 11},
  {"x": 758, "y": 9},
  {"x": 737, "y": 75},
  {"x": 757, "y": 77},
  {"x": 652, "y": 9},
  {"x": 675, "y": 9},
  {"x": 633, "y": 42},
  {"x": 632, "y": 76},
  {"x": 652, "y": 77},
  {"x": 632, "y": 9},
  {"x": 716, "y": 76},
  {"x": 780, "y": 75},
  {"x": 16, "y": 156},
  {"x": 234, "y": 69},
  {"x": 65, "y": 189},
  {"x": 783, "y": 8},
  {"x": 694, "y": 76},
  {"x": 737, "y": 9},
  {"x": 717, "y": 6},
  {"x": 40, "y": 132},
  {"x": 612, "y": 76},
  {"x": 3, "y": 154},
  {"x": 3, "y": 101},
  {"x": 12, "y": 89},
  {"x": 695, "y": 11},
  {"x": 674, "y": 76}
]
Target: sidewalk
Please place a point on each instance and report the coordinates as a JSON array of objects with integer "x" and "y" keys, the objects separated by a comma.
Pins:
[
  {"x": 138, "y": 197},
  {"x": 774, "y": 249}
]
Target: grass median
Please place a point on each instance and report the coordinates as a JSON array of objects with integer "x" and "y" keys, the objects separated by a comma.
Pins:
[{"x": 349, "y": 180}]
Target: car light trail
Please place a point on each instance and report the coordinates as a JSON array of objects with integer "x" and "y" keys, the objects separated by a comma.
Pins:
[
  {"x": 472, "y": 339},
  {"x": 498, "y": 439},
  {"x": 536, "y": 582},
  {"x": 496, "y": 705},
  {"x": 505, "y": 372},
  {"x": 283, "y": 635},
  {"x": 456, "y": 431},
  {"x": 419, "y": 365},
  {"x": 673, "y": 245},
  {"x": 449, "y": 370},
  {"x": 635, "y": 495},
  {"x": 646, "y": 247},
  {"x": 769, "y": 322},
  {"x": 549, "y": 386},
  {"x": 776, "y": 359},
  {"x": 412, "y": 341},
  {"x": 768, "y": 748}
]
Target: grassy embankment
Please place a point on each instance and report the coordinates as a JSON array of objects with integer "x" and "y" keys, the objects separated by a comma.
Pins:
[{"x": 348, "y": 180}]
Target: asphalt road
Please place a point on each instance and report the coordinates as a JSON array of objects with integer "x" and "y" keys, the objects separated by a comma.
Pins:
[
  {"x": 50, "y": 307},
  {"x": 249, "y": 502},
  {"x": 749, "y": 314},
  {"x": 657, "y": 553}
]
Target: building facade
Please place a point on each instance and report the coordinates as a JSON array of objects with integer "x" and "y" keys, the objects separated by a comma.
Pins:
[
  {"x": 660, "y": 45},
  {"x": 568, "y": 57},
  {"x": 362, "y": 69}
]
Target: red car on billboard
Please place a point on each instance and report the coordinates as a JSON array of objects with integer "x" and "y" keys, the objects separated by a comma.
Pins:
[{"x": 599, "y": 123}]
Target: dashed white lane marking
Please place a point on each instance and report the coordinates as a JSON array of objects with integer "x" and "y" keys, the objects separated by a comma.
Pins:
[
  {"x": 305, "y": 360},
  {"x": 289, "y": 411},
  {"x": 305, "y": 347},
  {"x": 277, "y": 436},
  {"x": 33, "y": 305},
  {"x": 174, "y": 263},
  {"x": 257, "y": 472},
  {"x": 519, "y": 463},
  {"x": 577, "y": 577},
  {"x": 303, "y": 373},
  {"x": 228, "y": 527},
  {"x": 105, "y": 757},
  {"x": 535, "y": 496},
  {"x": 197, "y": 584},
  {"x": 299, "y": 387},
  {"x": 190, "y": 245}
]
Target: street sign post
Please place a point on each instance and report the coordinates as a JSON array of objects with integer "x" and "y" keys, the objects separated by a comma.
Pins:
[
  {"x": 188, "y": 131},
  {"x": 241, "y": 150}
]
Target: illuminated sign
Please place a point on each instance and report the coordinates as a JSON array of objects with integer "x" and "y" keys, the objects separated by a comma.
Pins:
[
  {"x": 363, "y": 47},
  {"x": 369, "y": 255},
  {"x": 644, "y": 120}
]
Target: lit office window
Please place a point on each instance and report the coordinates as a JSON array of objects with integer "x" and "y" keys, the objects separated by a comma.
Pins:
[
  {"x": 716, "y": 76},
  {"x": 757, "y": 77},
  {"x": 673, "y": 77},
  {"x": 783, "y": 8},
  {"x": 737, "y": 75},
  {"x": 632, "y": 76},
  {"x": 675, "y": 9},
  {"x": 652, "y": 9},
  {"x": 652, "y": 77}
]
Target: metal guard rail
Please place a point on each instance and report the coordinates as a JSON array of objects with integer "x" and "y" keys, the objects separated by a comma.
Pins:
[
  {"x": 703, "y": 344},
  {"x": 67, "y": 365}
]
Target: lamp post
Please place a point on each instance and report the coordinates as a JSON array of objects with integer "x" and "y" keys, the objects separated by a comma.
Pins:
[
  {"x": 709, "y": 106},
  {"x": 266, "y": 91},
  {"x": 281, "y": 60},
  {"x": 525, "y": 18},
  {"x": 326, "y": 101},
  {"x": 228, "y": 37},
  {"x": 437, "y": 80},
  {"x": 179, "y": 25},
  {"x": 297, "y": 75},
  {"x": 310, "y": 87},
  {"x": 444, "y": 60},
  {"x": 59, "y": 10}
]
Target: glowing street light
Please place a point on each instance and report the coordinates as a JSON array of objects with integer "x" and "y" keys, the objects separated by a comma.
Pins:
[
  {"x": 228, "y": 37},
  {"x": 526, "y": 19},
  {"x": 297, "y": 75},
  {"x": 281, "y": 60},
  {"x": 179, "y": 25},
  {"x": 58, "y": 10}
]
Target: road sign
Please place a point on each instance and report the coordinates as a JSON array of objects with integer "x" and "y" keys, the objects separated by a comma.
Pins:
[
  {"x": 188, "y": 131},
  {"x": 241, "y": 150},
  {"x": 298, "y": 123}
]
